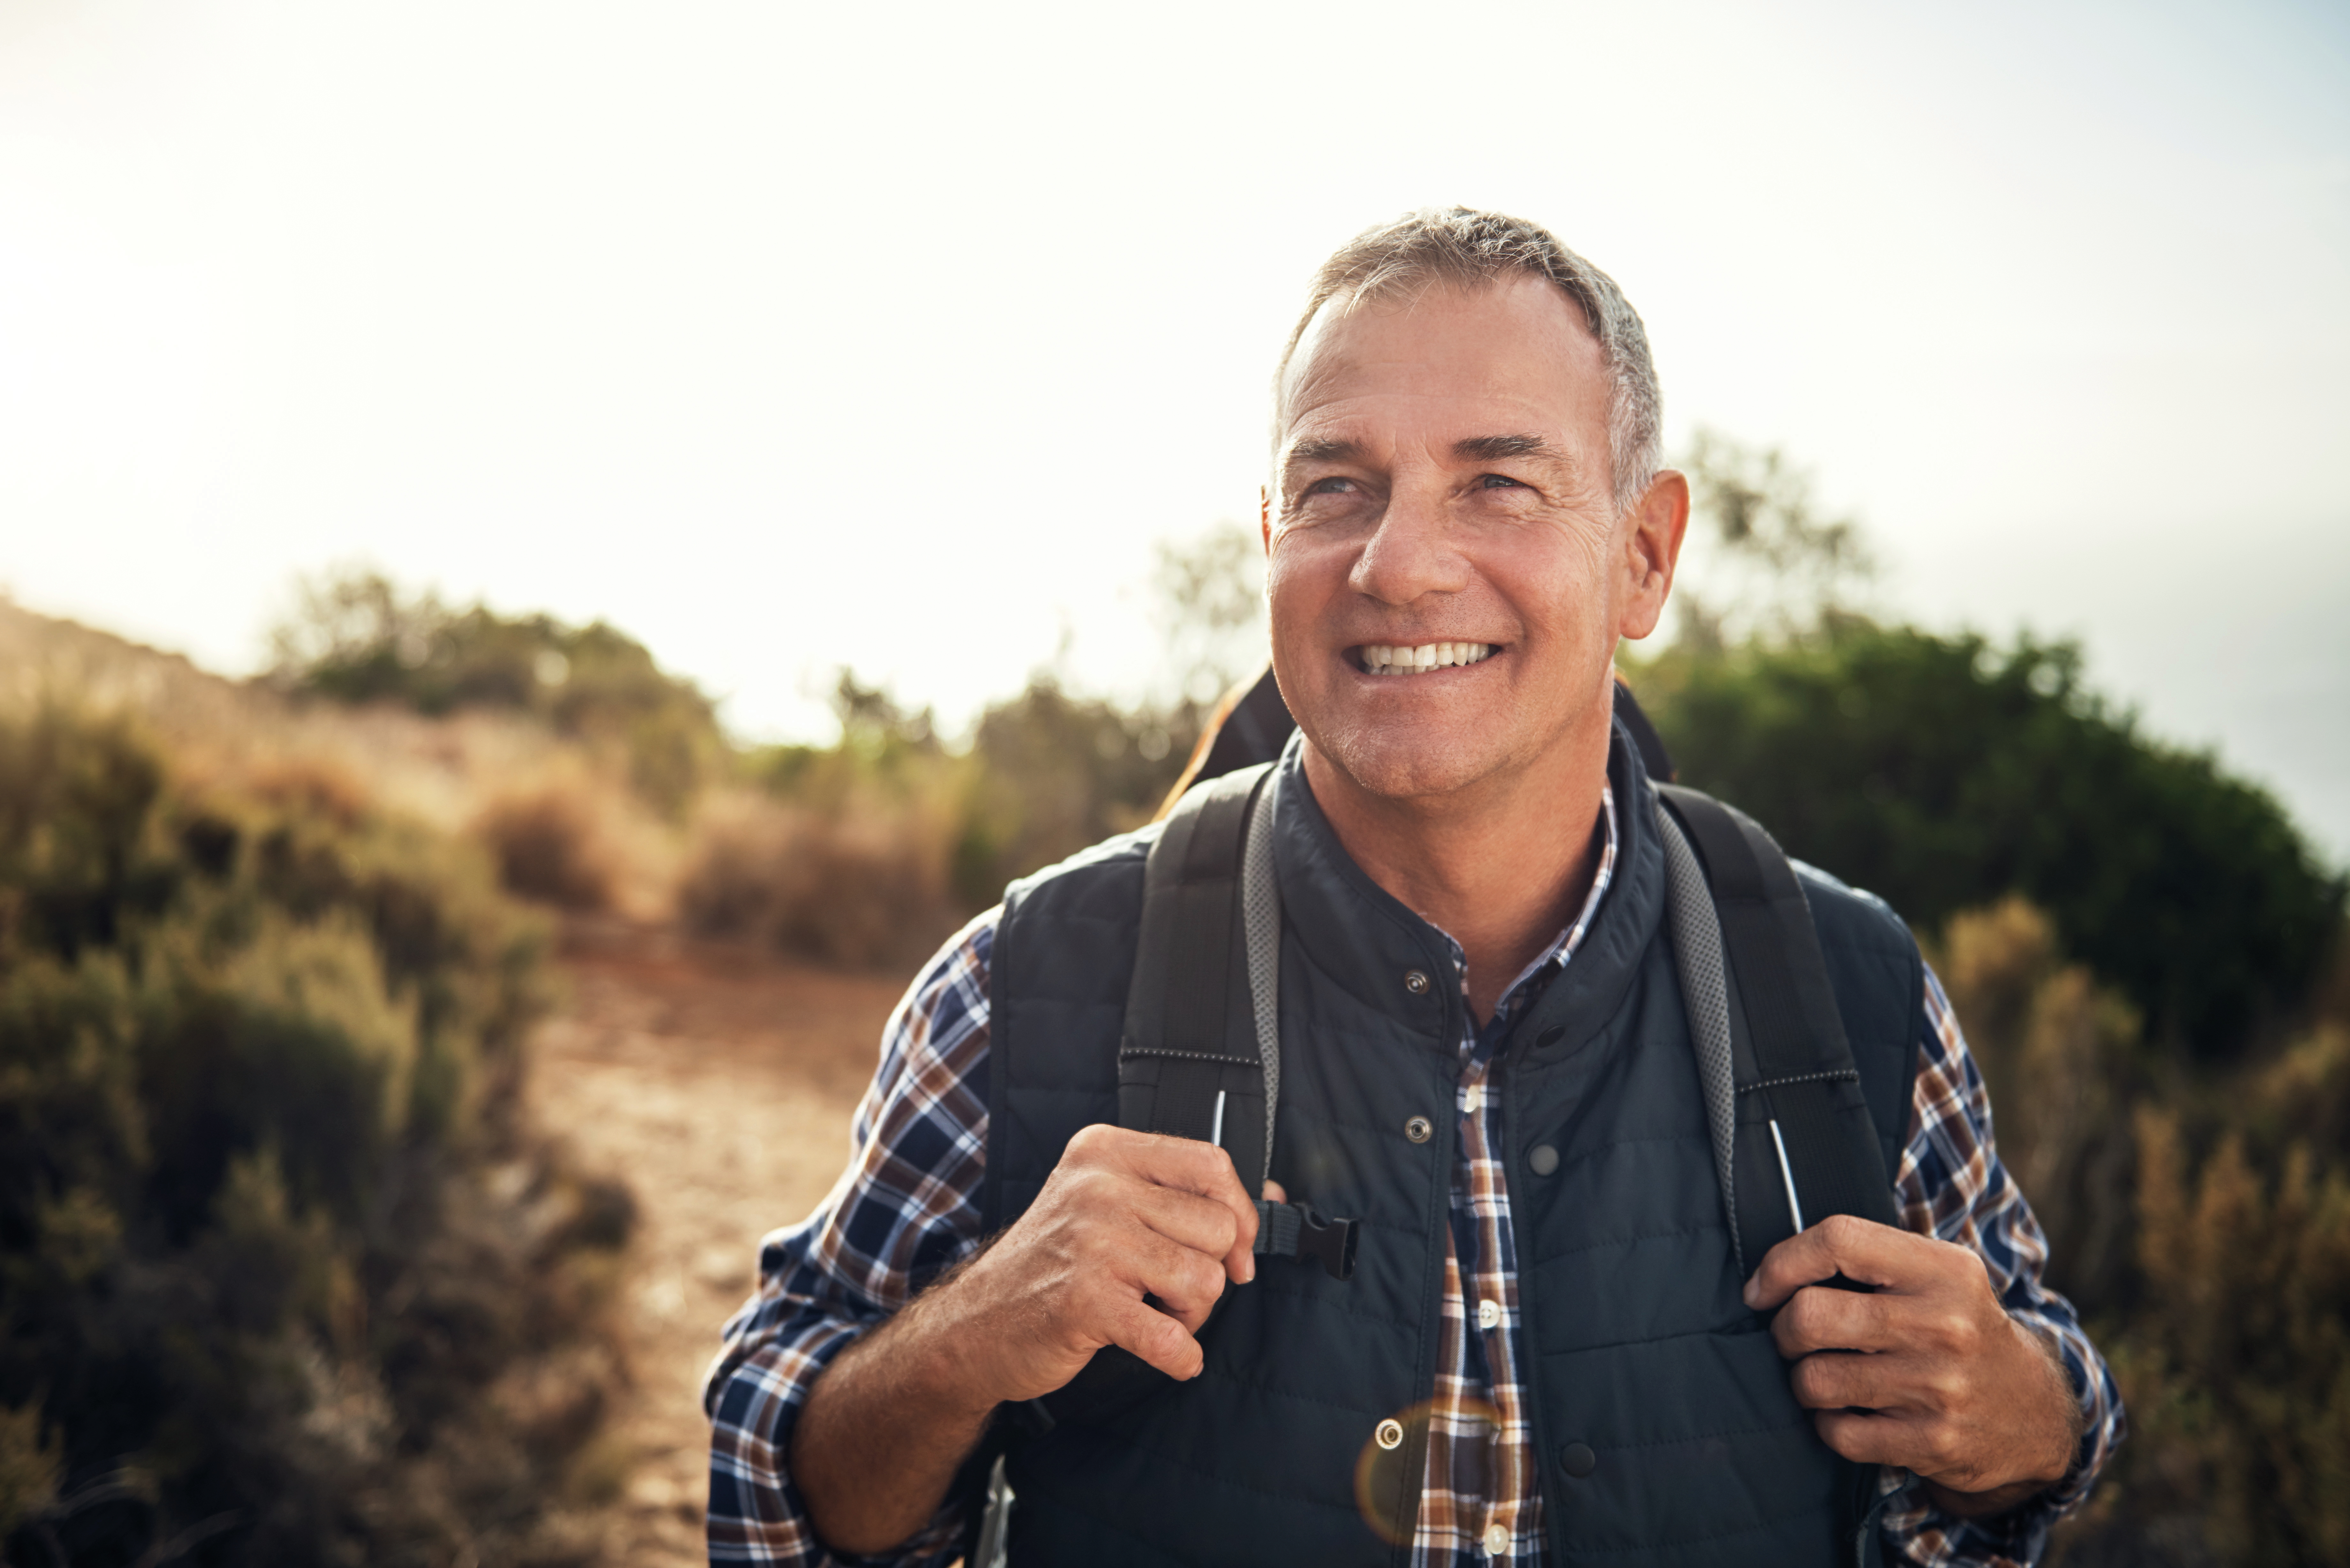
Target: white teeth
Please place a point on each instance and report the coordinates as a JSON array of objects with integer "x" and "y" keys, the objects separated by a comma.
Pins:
[{"x": 1382, "y": 660}]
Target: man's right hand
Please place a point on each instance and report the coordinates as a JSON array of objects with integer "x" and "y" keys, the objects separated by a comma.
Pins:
[{"x": 1124, "y": 1216}]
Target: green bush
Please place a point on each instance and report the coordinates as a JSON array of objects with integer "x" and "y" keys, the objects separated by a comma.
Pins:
[
  {"x": 259, "y": 1063},
  {"x": 1944, "y": 775},
  {"x": 357, "y": 639}
]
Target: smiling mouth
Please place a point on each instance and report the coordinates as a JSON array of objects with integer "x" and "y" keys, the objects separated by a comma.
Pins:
[{"x": 1379, "y": 659}]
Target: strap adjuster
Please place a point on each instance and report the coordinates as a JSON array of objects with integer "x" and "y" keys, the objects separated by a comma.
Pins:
[{"x": 1298, "y": 1231}]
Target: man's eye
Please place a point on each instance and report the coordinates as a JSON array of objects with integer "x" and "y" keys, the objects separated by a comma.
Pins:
[
  {"x": 1329, "y": 487},
  {"x": 1501, "y": 482}
]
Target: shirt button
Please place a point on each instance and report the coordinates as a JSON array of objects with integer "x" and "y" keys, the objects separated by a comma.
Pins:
[
  {"x": 1415, "y": 981},
  {"x": 1497, "y": 1539},
  {"x": 1474, "y": 1100},
  {"x": 1489, "y": 1313}
]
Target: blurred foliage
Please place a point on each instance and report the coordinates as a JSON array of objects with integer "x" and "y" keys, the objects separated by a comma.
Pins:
[
  {"x": 549, "y": 845},
  {"x": 871, "y": 851},
  {"x": 2103, "y": 900},
  {"x": 1212, "y": 608},
  {"x": 356, "y": 638},
  {"x": 1942, "y": 773},
  {"x": 1776, "y": 565},
  {"x": 281, "y": 1271},
  {"x": 2198, "y": 1213}
]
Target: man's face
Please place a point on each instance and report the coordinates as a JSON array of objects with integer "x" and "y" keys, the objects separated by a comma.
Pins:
[{"x": 1442, "y": 490}]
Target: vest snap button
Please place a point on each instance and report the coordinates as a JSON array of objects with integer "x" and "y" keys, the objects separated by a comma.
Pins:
[
  {"x": 1578, "y": 1460},
  {"x": 1391, "y": 1433},
  {"x": 1542, "y": 1159},
  {"x": 1419, "y": 1129},
  {"x": 1415, "y": 981}
]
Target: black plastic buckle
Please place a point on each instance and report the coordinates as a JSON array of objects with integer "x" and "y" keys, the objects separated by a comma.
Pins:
[{"x": 1330, "y": 1242}]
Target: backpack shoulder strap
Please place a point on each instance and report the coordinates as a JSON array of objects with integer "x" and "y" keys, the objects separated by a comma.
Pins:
[
  {"x": 1801, "y": 1142},
  {"x": 1199, "y": 1049},
  {"x": 1191, "y": 1061},
  {"x": 1199, "y": 1052}
]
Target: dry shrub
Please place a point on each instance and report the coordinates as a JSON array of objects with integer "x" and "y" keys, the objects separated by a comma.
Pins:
[
  {"x": 2236, "y": 1365},
  {"x": 2056, "y": 1051},
  {"x": 856, "y": 888},
  {"x": 309, "y": 786},
  {"x": 551, "y": 847},
  {"x": 2199, "y": 1217},
  {"x": 286, "y": 1277}
]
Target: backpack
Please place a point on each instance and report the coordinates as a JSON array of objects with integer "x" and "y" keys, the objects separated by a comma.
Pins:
[{"x": 1199, "y": 1050}]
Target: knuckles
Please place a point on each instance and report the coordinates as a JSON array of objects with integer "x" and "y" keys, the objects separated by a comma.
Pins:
[
  {"x": 1817, "y": 1385},
  {"x": 1843, "y": 1232},
  {"x": 1804, "y": 1317}
]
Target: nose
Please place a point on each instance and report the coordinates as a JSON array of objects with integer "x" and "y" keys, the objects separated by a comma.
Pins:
[{"x": 1412, "y": 553}]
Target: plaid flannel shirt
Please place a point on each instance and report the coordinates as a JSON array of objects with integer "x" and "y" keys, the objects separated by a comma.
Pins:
[{"x": 908, "y": 1208}]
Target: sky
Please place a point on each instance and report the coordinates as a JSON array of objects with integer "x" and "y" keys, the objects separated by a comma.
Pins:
[{"x": 787, "y": 337}]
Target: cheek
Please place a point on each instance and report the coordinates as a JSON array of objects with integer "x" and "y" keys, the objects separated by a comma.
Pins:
[
  {"x": 1558, "y": 584},
  {"x": 1300, "y": 578}
]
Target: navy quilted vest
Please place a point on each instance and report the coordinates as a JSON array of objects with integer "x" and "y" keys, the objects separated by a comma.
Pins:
[{"x": 1638, "y": 1346}]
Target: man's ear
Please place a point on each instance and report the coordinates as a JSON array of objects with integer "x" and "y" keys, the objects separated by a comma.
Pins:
[
  {"x": 1264, "y": 515},
  {"x": 1652, "y": 551}
]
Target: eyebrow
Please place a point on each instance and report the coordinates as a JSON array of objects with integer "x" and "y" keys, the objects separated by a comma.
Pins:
[
  {"x": 1470, "y": 448},
  {"x": 1494, "y": 448},
  {"x": 1319, "y": 449}
]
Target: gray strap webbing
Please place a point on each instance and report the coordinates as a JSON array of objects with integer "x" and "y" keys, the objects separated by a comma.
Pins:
[
  {"x": 1705, "y": 995},
  {"x": 1189, "y": 1060},
  {"x": 1206, "y": 989},
  {"x": 1803, "y": 1144},
  {"x": 1260, "y": 927}
]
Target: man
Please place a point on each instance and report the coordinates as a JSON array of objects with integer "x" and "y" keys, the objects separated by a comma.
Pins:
[{"x": 1546, "y": 1326}]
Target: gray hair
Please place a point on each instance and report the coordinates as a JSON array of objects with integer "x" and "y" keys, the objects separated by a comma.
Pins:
[{"x": 1465, "y": 246}]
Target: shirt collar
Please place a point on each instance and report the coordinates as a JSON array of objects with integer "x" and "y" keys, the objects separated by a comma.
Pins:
[{"x": 1552, "y": 959}]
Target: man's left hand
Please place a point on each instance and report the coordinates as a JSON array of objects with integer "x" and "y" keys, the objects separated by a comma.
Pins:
[{"x": 1929, "y": 1373}]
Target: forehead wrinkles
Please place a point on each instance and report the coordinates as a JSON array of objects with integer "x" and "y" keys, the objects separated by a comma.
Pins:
[{"x": 1573, "y": 363}]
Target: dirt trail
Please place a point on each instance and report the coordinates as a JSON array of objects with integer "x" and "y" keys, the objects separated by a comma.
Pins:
[{"x": 720, "y": 1086}]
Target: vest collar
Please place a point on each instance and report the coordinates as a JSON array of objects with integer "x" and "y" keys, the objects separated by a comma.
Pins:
[{"x": 1367, "y": 940}]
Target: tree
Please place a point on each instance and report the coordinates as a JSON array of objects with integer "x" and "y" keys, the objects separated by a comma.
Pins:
[
  {"x": 1943, "y": 774},
  {"x": 1211, "y": 591},
  {"x": 1776, "y": 567}
]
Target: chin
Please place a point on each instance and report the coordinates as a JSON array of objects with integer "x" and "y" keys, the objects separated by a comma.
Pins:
[{"x": 1411, "y": 762}]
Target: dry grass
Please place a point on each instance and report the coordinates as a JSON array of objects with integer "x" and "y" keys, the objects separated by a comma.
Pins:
[
  {"x": 562, "y": 822},
  {"x": 859, "y": 889}
]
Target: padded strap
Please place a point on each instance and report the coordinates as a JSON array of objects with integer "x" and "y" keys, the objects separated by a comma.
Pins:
[
  {"x": 1199, "y": 1052},
  {"x": 1805, "y": 1141},
  {"x": 1260, "y": 931},
  {"x": 1184, "y": 1068},
  {"x": 1705, "y": 997}
]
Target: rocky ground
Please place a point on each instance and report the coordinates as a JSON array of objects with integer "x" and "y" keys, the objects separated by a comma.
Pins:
[{"x": 720, "y": 1086}]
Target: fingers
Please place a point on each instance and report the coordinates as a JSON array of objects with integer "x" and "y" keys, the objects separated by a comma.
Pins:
[
  {"x": 1199, "y": 1223},
  {"x": 1860, "y": 1250},
  {"x": 1158, "y": 1339},
  {"x": 1275, "y": 1193},
  {"x": 1867, "y": 1437},
  {"x": 1186, "y": 1165},
  {"x": 1184, "y": 1283},
  {"x": 1821, "y": 1317},
  {"x": 1843, "y": 1379}
]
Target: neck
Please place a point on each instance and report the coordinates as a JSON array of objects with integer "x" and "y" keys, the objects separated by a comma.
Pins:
[{"x": 1501, "y": 864}]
